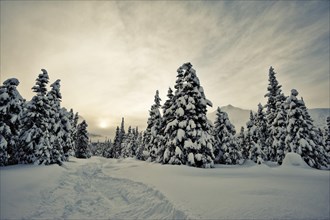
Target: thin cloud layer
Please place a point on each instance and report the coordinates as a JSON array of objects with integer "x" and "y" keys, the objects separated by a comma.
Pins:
[{"x": 112, "y": 56}]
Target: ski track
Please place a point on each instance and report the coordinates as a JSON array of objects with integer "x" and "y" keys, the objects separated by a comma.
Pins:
[{"x": 87, "y": 193}]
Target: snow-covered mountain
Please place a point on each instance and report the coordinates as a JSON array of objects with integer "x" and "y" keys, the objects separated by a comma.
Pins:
[
  {"x": 239, "y": 116},
  {"x": 319, "y": 115}
]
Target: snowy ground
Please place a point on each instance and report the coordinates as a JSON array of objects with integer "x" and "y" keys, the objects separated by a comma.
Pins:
[{"x": 100, "y": 188}]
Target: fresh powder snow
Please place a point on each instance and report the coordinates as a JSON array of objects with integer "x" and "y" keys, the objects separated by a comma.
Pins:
[{"x": 100, "y": 188}]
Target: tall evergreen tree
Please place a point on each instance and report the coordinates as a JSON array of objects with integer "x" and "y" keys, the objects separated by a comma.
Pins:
[
  {"x": 82, "y": 148},
  {"x": 189, "y": 140},
  {"x": 274, "y": 95},
  {"x": 74, "y": 129},
  {"x": 226, "y": 150},
  {"x": 168, "y": 116},
  {"x": 249, "y": 137},
  {"x": 69, "y": 131},
  {"x": 135, "y": 141},
  {"x": 34, "y": 135},
  {"x": 11, "y": 108},
  {"x": 152, "y": 133},
  {"x": 55, "y": 126},
  {"x": 274, "y": 103}
]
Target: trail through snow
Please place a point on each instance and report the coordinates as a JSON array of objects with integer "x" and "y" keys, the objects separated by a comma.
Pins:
[
  {"x": 100, "y": 188},
  {"x": 85, "y": 192}
]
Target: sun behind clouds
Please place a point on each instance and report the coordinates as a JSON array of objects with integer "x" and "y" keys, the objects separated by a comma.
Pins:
[{"x": 103, "y": 124}]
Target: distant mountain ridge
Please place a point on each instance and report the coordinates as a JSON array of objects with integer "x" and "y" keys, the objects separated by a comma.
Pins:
[{"x": 238, "y": 116}]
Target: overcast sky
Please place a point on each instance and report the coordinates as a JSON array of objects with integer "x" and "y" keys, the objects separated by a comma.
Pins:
[{"x": 112, "y": 56}]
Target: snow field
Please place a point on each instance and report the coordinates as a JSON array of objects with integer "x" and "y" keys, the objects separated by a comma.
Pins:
[
  {"x": 100, "y": 188},
  {"x": 234, "y": 192},
  {"x": 82, "y": 191}
]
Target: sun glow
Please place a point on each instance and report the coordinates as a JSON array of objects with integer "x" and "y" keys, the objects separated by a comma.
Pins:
[{"x": 103, "y": 124}]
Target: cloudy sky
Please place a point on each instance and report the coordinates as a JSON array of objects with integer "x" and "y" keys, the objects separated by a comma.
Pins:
[{"x": 112, "y": 56}]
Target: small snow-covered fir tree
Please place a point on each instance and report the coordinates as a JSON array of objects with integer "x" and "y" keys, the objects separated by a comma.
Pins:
[
  {"x": 118, "y": 140},
  {"x": 34, "y": 135},
  {"x": 189, "y": 139},
  {"x": 116, "y": 144},
  {"x": 226, "y": 150},
  {"x": 11, "y": 107},
  {"x": 257, "y": 130},
  {"x": 139, "y": 147},
  {"x": 107, "y": 150},
  {"x": 316, "y": 136},
  {"x": 259, "y": 136},
  {"x": 127, "y": 144},
  {"x": 300, "y": 132},
  {"x": 241, "y": 141},
  {"x": 82, "y": 148},
  {"x": 152, "y": 137}
]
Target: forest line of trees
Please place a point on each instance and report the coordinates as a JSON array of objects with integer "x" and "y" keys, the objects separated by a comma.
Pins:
[
  {"x": 183, "y": 135},
  {"x": 42, "y": 132},
  {"x": 39, "y": 131}
]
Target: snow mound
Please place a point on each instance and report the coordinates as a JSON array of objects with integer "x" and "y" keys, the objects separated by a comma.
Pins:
[{"x": 294, "y": 159}]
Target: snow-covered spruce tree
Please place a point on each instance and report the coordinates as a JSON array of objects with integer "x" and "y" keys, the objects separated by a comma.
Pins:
[
  {"x": 249, "y": 136},
  {"x": 68, "y": 141},
  {"x": 107, "y": 150},
  {"x": 152, "y": 132},
  {"x": 241, "y": 141},
  {"x": 278, "y": 133},
  {"x": 190, "y": 139},
  {"x": 275, "y": 100},
  {"x": 300, "y": 132},
  {"x": 116, "y": 144},
  {"x": 262, "y": 131},
  {"x": 226, "y": 147},
  {"x": 34, "y": 135},
  {"x": 126, "y": 146},
  {"x": 56, "y": 130},
  {"x": 168, "y": 116},
  {"x": 140, "y": 147},
  {"x": 135, "y": 140},
  {"x": 82, "y": 147},
  {"x": 260, "y": 150},
  {"x": 319, "y": 149},
  {"x": 11, "y": 107},
  {"x": 118, "y": 140},
  {"x": 74, "y": 129}
]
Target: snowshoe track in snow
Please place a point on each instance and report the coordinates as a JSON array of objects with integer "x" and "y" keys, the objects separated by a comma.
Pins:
[{"x": 87, "y": 193}]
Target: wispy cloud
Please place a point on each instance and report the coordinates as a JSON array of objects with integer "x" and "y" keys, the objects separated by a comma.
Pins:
[{"x": 112, "y": 56}]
